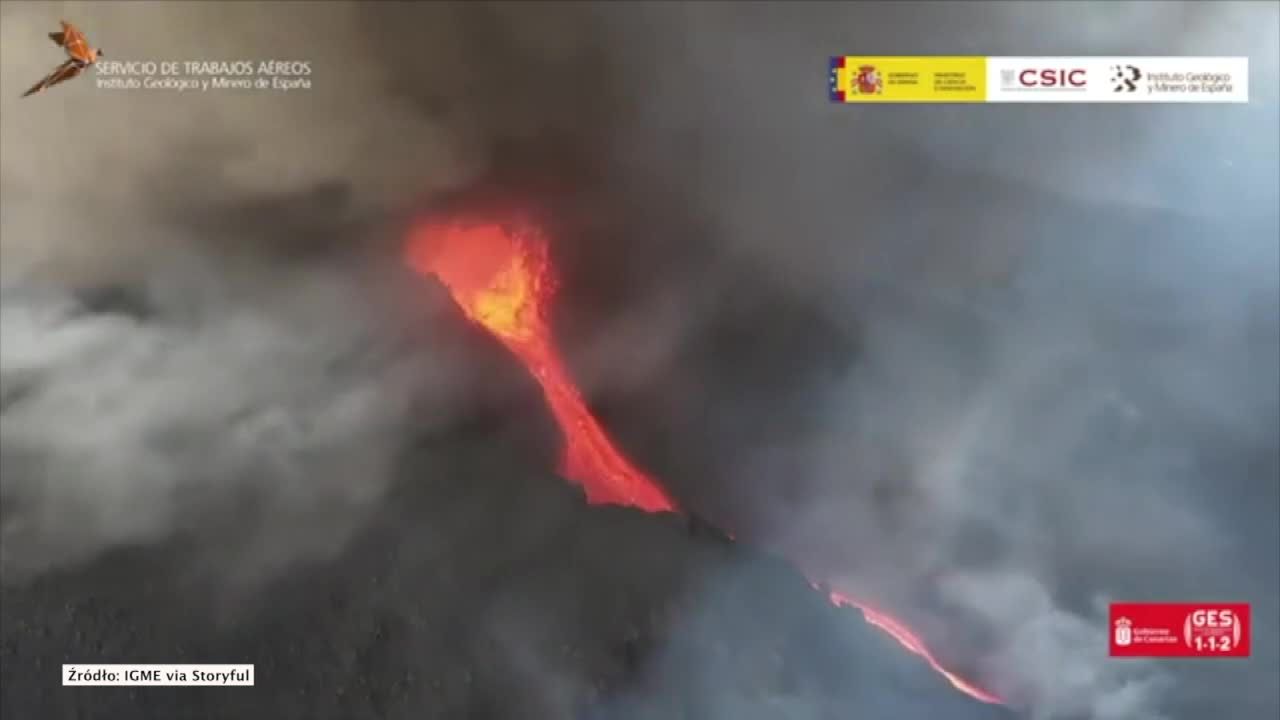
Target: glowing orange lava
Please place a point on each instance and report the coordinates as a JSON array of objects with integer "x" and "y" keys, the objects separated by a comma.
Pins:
[
  {"x": 501, "y": 278},
  {"x": 914, "y": 644},
  {"x": 502, "y": 281}
]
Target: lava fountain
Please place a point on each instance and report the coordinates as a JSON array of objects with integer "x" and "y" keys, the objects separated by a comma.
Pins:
[
  {"x": 502, "y": 280},
  {"x": 501, "y": 277}
]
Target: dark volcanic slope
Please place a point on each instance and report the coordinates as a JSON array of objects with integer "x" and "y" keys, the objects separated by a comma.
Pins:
[
  {"x": 476, "y": 592},
  {"x": 479, "y": 587}
]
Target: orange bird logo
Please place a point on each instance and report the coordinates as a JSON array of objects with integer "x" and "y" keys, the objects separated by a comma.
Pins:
[{"x": 79, "y": 57}]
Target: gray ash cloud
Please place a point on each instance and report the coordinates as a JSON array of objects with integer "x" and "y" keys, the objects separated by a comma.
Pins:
[{"x": 937, "y": 354}]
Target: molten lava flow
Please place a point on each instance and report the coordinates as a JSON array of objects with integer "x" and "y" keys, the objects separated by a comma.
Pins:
[
  {"x": 501, "y": 277},
  {"x": 502, "y": 281},
  {"x": 913, "y": 643}
]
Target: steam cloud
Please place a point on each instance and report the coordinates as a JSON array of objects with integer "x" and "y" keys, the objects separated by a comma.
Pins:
[{"x": 988, "y": 366}]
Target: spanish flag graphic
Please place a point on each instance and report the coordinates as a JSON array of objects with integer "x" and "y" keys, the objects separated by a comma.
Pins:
[
  {"x": 854, "y": 79},
  {"x": 922, "y": 79}
]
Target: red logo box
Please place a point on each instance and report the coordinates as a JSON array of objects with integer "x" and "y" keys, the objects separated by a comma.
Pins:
[{"x": 1179, "y": 630}]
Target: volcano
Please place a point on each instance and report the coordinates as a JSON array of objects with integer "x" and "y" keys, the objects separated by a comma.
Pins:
[
  {"x": 479, "y": 587},
  {"x": 501, "y": 277}
]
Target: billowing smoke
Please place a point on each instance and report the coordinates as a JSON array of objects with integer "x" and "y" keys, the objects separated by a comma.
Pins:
[
  {"x": 989, "y": 366},
  {"x": 1004, "y": 331},
  {"x": 1023, "y": 329},
  {"x": 191, "y": 305}
]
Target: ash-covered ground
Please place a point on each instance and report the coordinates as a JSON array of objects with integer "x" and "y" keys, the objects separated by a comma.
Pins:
[
  {"x": 989, "y": 367},
  {"x": 485, "y": 588}
]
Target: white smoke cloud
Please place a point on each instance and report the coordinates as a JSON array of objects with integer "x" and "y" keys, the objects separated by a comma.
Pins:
[
  {"x": 975, "y": 419},
  {"x": 1060, "y": 292},
  {"x": 246, "y": 375},
  {"x": 1058, "y": 651},
  {"x": 118, "y": 431}
]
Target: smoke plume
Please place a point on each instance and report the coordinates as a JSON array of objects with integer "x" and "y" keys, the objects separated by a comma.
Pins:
[{"x": 990, "y": 366}]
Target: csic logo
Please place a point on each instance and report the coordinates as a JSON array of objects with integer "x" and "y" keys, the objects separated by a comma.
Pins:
[
  {"x": 1047, "y": 79},
  {"x": 1124, "y": 78}
]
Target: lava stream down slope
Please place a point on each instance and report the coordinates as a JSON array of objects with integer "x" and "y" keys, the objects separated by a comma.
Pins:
[{"x": 501, "y": 278}]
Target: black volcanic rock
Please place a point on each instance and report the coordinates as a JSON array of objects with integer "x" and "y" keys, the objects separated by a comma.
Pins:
[
  {"x": 480, "y": 587},
  {"x": 477, "y": 592}
]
